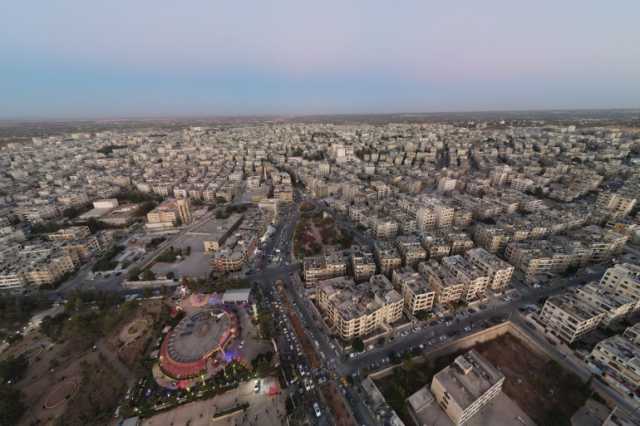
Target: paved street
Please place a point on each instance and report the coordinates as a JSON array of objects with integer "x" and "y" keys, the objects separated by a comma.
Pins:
[{"x": 333, "y": 361}]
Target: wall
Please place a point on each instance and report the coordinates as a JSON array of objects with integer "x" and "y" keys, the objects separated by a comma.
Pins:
[{"x": 468, "y": 342}]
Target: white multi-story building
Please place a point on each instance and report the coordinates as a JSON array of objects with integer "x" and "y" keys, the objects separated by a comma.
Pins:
[
  {"x": 618, "y": 205},
  {"x": 570, "y": 318},
  {"x": 499, "y": 271},
  {"x": 623, "y": 279},
  {"x": 448, "y": 287},
  {"x": 475, "y": 281},
  {"x": 355, "y": 310},
  {"x": 464, "y": 387},
  {"x": 617, "y": 359},
  {"x": 363, "y": 263},
  {"x": 416, "y": 292}
]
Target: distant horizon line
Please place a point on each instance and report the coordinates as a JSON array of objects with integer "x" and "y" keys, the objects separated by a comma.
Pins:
[{"x": 152, "y": 117}]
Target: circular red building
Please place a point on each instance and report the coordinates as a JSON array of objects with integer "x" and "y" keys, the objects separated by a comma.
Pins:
[{"x": 197, "y": 338}]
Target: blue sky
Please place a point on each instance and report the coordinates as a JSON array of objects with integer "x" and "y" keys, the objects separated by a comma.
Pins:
[{"x": 84, "y": 59}]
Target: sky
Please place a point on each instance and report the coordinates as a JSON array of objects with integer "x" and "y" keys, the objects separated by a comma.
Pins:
[{"x": 162, "y": 58}]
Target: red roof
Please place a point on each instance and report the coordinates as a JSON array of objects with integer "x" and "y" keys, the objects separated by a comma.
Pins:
[{"x": 179, "y": 370}]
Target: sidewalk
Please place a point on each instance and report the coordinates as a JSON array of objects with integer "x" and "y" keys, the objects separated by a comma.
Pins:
[{"x": 263, "y": 409}]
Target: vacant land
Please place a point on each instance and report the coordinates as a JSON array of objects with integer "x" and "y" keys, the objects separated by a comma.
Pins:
[
  {"x": 70, "y": 381},
  {"x": 541, "y": 387},
  {"x": 547, "y": 393},
  {"x": 314, "y": 232},
  {"x": 408, "y": 379}
]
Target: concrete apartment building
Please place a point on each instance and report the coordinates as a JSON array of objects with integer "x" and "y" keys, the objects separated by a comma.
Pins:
[
  {"x": 184, "y": 210},
  {"x": 617, "y": 359},
  {"x": 618, "y": 205},
  {"x": 623, "y": 279},
  {"x": 236, "y": 252},
  {"x": 387, "y": 256},
  {"x": 48, "y": 270},
  {"x": 70, "y": 233},
  {"x": 448, "y": 287},
  {"x": 444, "y": 215},
  {"x": 416, "y": 292},
  {"x": 446, "y": 184},
  {"x": 325, "y": 266},
  {"x": 633, "y": 333},
  {"x": 475, "y": 281},
  {"x": 283, "y": 193},
  {"x": 467, "y": 385},
  {"x": 499, "y": 271},
  {"x": 358, "y": 213},
  {"x": 459, "y": 242},
  {"x": 425, "y": 218},
  {"x": 603, "y": 243},
  {"x": 616, "y": 306},
  {"x": 546, "y": 257},
  {"x": 356, "y": 310},
  {"x": 383, "y": 228},
  {"x": 493, "y": 238},
  {"x": 164, "y": 216},
  {"x": 436, "y": 247},
  {"x": 363, "y": 265},
  {"x": 570, "y": 318},
  {"x": 411, "y": 250},
  {"x": 35, "y": 264},
  {"x": 11, "y": 277},
  {"x": 81, "y": 250}
]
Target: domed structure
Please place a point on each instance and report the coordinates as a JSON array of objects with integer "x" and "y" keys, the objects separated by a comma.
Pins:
[{"x": 196, "y": 339}]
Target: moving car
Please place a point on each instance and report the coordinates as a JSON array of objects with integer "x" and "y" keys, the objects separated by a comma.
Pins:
[{"x": 316, "y": 408}]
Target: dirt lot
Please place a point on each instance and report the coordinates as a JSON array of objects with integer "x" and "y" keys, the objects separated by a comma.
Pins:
[
  {"x": 312, "y": 234},
  {"x": 133, "y": 337},
  {"x": 548, "y": 394},
  {"x": 408, "y": 379},
  {"x": 83, "y": 387},
  {"x": 545, "y": 391}
]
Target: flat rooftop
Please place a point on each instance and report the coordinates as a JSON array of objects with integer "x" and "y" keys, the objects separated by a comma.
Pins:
[
  {"x": 468, "y": 378},
  {"x": 215, "y": 229}
]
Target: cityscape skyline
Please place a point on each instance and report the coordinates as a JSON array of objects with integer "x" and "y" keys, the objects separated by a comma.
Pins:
[
  {"x": 72, "y": 60},
  {"x": 331, "y": 213}
]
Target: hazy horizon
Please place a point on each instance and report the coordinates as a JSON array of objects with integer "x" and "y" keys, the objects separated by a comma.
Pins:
[{"x": 120, "y": 60}]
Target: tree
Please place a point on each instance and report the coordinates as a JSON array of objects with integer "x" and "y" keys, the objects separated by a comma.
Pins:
[
  {"x": 133, "y": 274},
  {"x": 11, "y": 405},
  {"x": 13, "y": 369},
  {"x": 145, "y": 208},
  {"x": 148, "y": 275},
  {"x": 357, "y": 344},
  {"x": 75, "y": 211}
]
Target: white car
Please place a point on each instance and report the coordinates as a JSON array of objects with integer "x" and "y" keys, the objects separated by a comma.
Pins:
[{"x": 316, "y": 408}]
